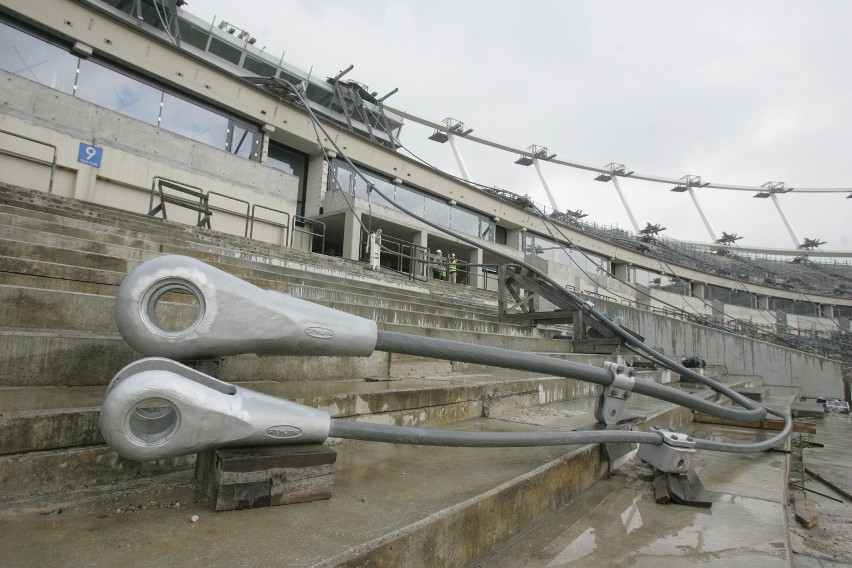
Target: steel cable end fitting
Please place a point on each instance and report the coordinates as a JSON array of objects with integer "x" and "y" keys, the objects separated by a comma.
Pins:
[
  {"x": 156, "y": 408},
  {"x": 182, "y": 308},
  {"x": 674, "y": 455}
]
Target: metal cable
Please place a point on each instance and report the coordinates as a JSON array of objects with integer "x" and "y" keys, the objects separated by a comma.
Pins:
[
  {"x": 350, "y": 429},
  {"x": 395, "y": 342}
]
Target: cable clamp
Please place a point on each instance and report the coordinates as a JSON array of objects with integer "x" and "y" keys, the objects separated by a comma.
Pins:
[
  {"x": 674, "y": 455},
  {"x": 611, "y": 398}
]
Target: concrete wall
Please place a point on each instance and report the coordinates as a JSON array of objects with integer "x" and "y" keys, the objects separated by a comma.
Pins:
[
  {"x": 777, "y": 365},
  {"x": 133, "y": 154}
]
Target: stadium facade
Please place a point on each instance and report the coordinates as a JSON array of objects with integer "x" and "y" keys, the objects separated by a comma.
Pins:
[{"x": 139, "y": 105}]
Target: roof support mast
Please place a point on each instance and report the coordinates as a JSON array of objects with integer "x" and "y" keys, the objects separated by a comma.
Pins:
[
  {"x": 452, "y": 128},
  {"x": 687, "y": 183},
  {"x": 771, "y": 190},
  {"x": 616, "y": 170},
  {"x": 531, "y": 157}
]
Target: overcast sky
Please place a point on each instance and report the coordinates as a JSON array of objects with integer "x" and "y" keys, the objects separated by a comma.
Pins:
[{"x": 738, "y": 92}]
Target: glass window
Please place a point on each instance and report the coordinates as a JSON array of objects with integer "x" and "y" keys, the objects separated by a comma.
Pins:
[
  {"x": 34, "y": 59},
  {"x": 107, "y": 88},
  {"x": 293, "y": 163},
  {"x": 464, "y": 221},
  {"x": 361, "y": 188},
  {"x": 244, "y": 142},
  {"x": 192, "y": 121},
  {"x": 193, "y": 35},
  {"x": 225, "y": 50},
  {"x": 501, "y": 235},
  {"x": 344, "y": 180},
  {"x": 410, "y": 200},
  {"x": 387, "y": 189},
  {"x": 258, "y": 67},
  {"x": 437, "y": 212},
  {"x": 286, "y": 160}
]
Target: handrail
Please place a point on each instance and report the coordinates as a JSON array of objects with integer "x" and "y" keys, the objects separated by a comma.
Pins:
[
  {"x": 305, "y": 221},
  {"x": 202, "y": 207},
  {"x": 30, "y": 158},
  {"x": 221, "y": 210},
  {"x": 285, "y": 226}
]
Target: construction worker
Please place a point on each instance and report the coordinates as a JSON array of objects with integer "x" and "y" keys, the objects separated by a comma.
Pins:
[
  {"x": 439, "y": 271},
  {"x": 453, "y": 267}
]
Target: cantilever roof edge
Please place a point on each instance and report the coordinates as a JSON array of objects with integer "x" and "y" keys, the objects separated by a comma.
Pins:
[{"x": 599, "y": 169}]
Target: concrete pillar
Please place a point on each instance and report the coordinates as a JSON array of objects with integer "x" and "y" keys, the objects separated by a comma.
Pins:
[
  {"x": 780, "y": 321},
  {"x": 268, "y": 129},
  {"x": 421, "y": 239},
  {"x": 620, "y": 270},
  {"x": 351, "y": 236},
  {"x": 474, "y": 275},
  {"x": 698, "y": 289},
  {"x": 515, "y": 238},
  {"x": 763, "y": 302},
  {"x": 84, "y": 183},
  {"x": 718, "y": 311}
]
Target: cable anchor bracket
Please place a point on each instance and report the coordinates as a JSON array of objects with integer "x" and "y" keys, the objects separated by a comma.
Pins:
[{"x": 611, "y": 398}]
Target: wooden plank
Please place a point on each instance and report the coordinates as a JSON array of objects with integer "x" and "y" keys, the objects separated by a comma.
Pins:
[
  {"x": 661, "y": 490},
  {"x": 767, "y": 424},
  {"x": 247, "y": 478},
  {"x": 806, "y": 512}
]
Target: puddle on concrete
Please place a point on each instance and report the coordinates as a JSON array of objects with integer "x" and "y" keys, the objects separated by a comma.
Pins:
[{"x": 618, "y": 523}]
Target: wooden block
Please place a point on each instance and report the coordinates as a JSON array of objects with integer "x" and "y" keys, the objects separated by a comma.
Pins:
[
  {"x": 661, "y": 490},
  {"x": 246, "y": 478},
  {"x": 806, "y": 512},
  {"x": 768, "y": 424}
]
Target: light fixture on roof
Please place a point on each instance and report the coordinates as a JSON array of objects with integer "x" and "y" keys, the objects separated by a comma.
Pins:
[
  {"x": 439, "y": 136},
  {"x": 452, "y": 127},
  {"x": 689, "y": 181},
  {"x": 535, "y": 152},
  {"x": 772, "y": 187},
  {"x": 613, "y": 169}
]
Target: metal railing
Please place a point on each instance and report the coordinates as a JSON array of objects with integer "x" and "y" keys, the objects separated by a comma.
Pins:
[
  {"x": 285, "y": 226},
  {"x": 230, "y": 211},
  {"x": 201, "y": 206},
  {"x": 31, "y": 159},
  {"x": 299, "y": 222}
]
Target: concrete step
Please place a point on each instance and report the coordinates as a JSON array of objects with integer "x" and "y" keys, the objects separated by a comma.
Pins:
[
  {"x": 227, "y": 245},
  {"x": 402, "y": 505},
  {"x": 618, "y": 523},
  {"x": 116, "y": 221},
  {"x": 290, "y": 279},
  {"x": 36, "y": 423},
  {"x": 77, "y": 358},
  {"x": 39, "y": 308},
  {"x": 50, "y": 417}
]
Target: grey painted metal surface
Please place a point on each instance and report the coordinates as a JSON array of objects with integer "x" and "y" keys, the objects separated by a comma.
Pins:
[
  {"x": 233, "y": 316},
  {"x": 157, "y": 408}
]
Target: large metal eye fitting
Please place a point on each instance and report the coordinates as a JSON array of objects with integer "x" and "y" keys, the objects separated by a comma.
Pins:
[
  {"x": 182, "y": 308},
  {"x": 156, "y": 408}
]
